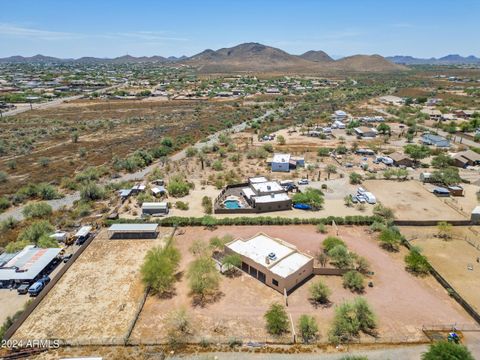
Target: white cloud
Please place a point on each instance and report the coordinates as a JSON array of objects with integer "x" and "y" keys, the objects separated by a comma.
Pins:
[
  {"x": 25, "y": 32},
  {"x": 9, "y": 30}
]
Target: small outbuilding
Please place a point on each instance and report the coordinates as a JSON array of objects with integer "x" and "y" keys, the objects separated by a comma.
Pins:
[
  {"x": 133, "y": 231},
  {"x": 154, "y": 208}
]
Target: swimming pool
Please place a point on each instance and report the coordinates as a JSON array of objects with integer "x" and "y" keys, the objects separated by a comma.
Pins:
[{"x": 232, "y": 204}]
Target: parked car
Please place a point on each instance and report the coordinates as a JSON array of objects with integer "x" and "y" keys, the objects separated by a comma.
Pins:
[
  {"x": 38, "y": 286},
  {"x": 67, "y": 257},
  {"x": 361, "y": 199},
  {"x": 23, "y": 289},
  {"x": 303, "y": 182}
]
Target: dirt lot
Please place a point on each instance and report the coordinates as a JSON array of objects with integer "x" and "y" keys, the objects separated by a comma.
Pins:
[
  {"x": 106, "y": 129},
  {"x": 403, "y": 302},
  {"x": 411, "y": 200},
  {"x": 97, "y": 297},
  {"x": 451, "y": 258}
]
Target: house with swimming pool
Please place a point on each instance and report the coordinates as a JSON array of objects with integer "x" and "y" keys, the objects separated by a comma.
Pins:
[{"x": 255, "y": 196}]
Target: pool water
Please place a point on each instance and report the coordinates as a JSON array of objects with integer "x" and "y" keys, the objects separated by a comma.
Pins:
[{"x": 232, "y": 204}]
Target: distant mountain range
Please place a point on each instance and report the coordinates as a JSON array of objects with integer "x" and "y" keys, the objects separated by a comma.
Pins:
[
  {"x": 252, "y": 57},
  {"x": 446, "y": 60}
]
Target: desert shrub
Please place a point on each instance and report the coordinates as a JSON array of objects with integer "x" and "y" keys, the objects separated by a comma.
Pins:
[
  {"x": 341, "y": 257},
  {"x": 355, "y": 178},
  {"x": 383, "y": 212},
  {"x": 91, "y": 174},
  {"x": 331, "y": 241},
  {"x": 207, "y": 205},
  {"x": 181, "y": 205},
  {"x": 321, "y": 228},
  {"x": 36, "y": 230},
  {"x": 319, "y": 292},
  {"x": 91, "y": 192},
  {"x": 276, "y": 319},
  {"x": 354, "y": 281},
  {"x": 217, "y": 165},
  {"x": 445, "y": 350},
  {"x": 308, "y": 328},
  {"x": 8, "y": 224},
  {"x": 178, "y": 187},
  {"x": 323, "y": 151},
  {"x": 191, "y": 151},
  {"x": 46, "y": 241},
  {"x": 68, "y": 183},
  {"x": 159, "y": 268},
  {"x": 15, "y": 246},
  {"x": 37, "y": 210},
  {"x": 47, "y": 192},
  {"x": 178, "y": 327},
  {"x": 3, "y": 176},
  {"x": 350, "y": 319},
  {"x": 4, "y": 204}
]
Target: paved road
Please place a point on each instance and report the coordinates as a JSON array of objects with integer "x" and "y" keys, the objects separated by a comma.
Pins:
[
  {"x": 393, "y": 353},
  {"x": 68, "y": 200}
]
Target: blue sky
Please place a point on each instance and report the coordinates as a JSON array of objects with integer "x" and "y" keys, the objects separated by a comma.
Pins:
[{"x": 108, "y": 28}]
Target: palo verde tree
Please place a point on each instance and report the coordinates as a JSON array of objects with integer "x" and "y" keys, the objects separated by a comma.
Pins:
[
  {"x": 276, "y": 319},
  {"x": 159, "y": 268}
]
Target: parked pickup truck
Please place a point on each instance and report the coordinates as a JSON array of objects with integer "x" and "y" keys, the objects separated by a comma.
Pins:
[{"x": 38, "y": 286}]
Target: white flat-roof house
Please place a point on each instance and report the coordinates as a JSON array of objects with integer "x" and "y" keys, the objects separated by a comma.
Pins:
[
  {"x": 272, "y": 261},
  {"x": 266, "y": 195},
  {"x": 281, "y": 162},
  {"x": 285, "y": 162}
]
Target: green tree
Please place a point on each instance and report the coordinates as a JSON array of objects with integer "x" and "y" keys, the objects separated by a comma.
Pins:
[
  {"x": 35, "y": 231},
  {"x": 308, "y": 328},
  {"x": 159, "y": 268},
  {"x": 310, "y": 196},
  {"x": 442, "y": 160},
  {"x": 203, "y": 277},
  {"x": 281, "y": 140},
  {"x": 447, "y": 176},
  {"x": 319, "y": 292},
  {"x": 354, "y": 281},
  {"x": 390, "y": 239},
  {"x": 416, "y": 152},
  {"x": 416, "y": 262},
  {"x": 277, "y": 319},
  {"x": 445, "y": 350},
  {"x": 330, "y": 169},
  {"x": 383, "y": 129},
  {"x": 230, "y": 262}
]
